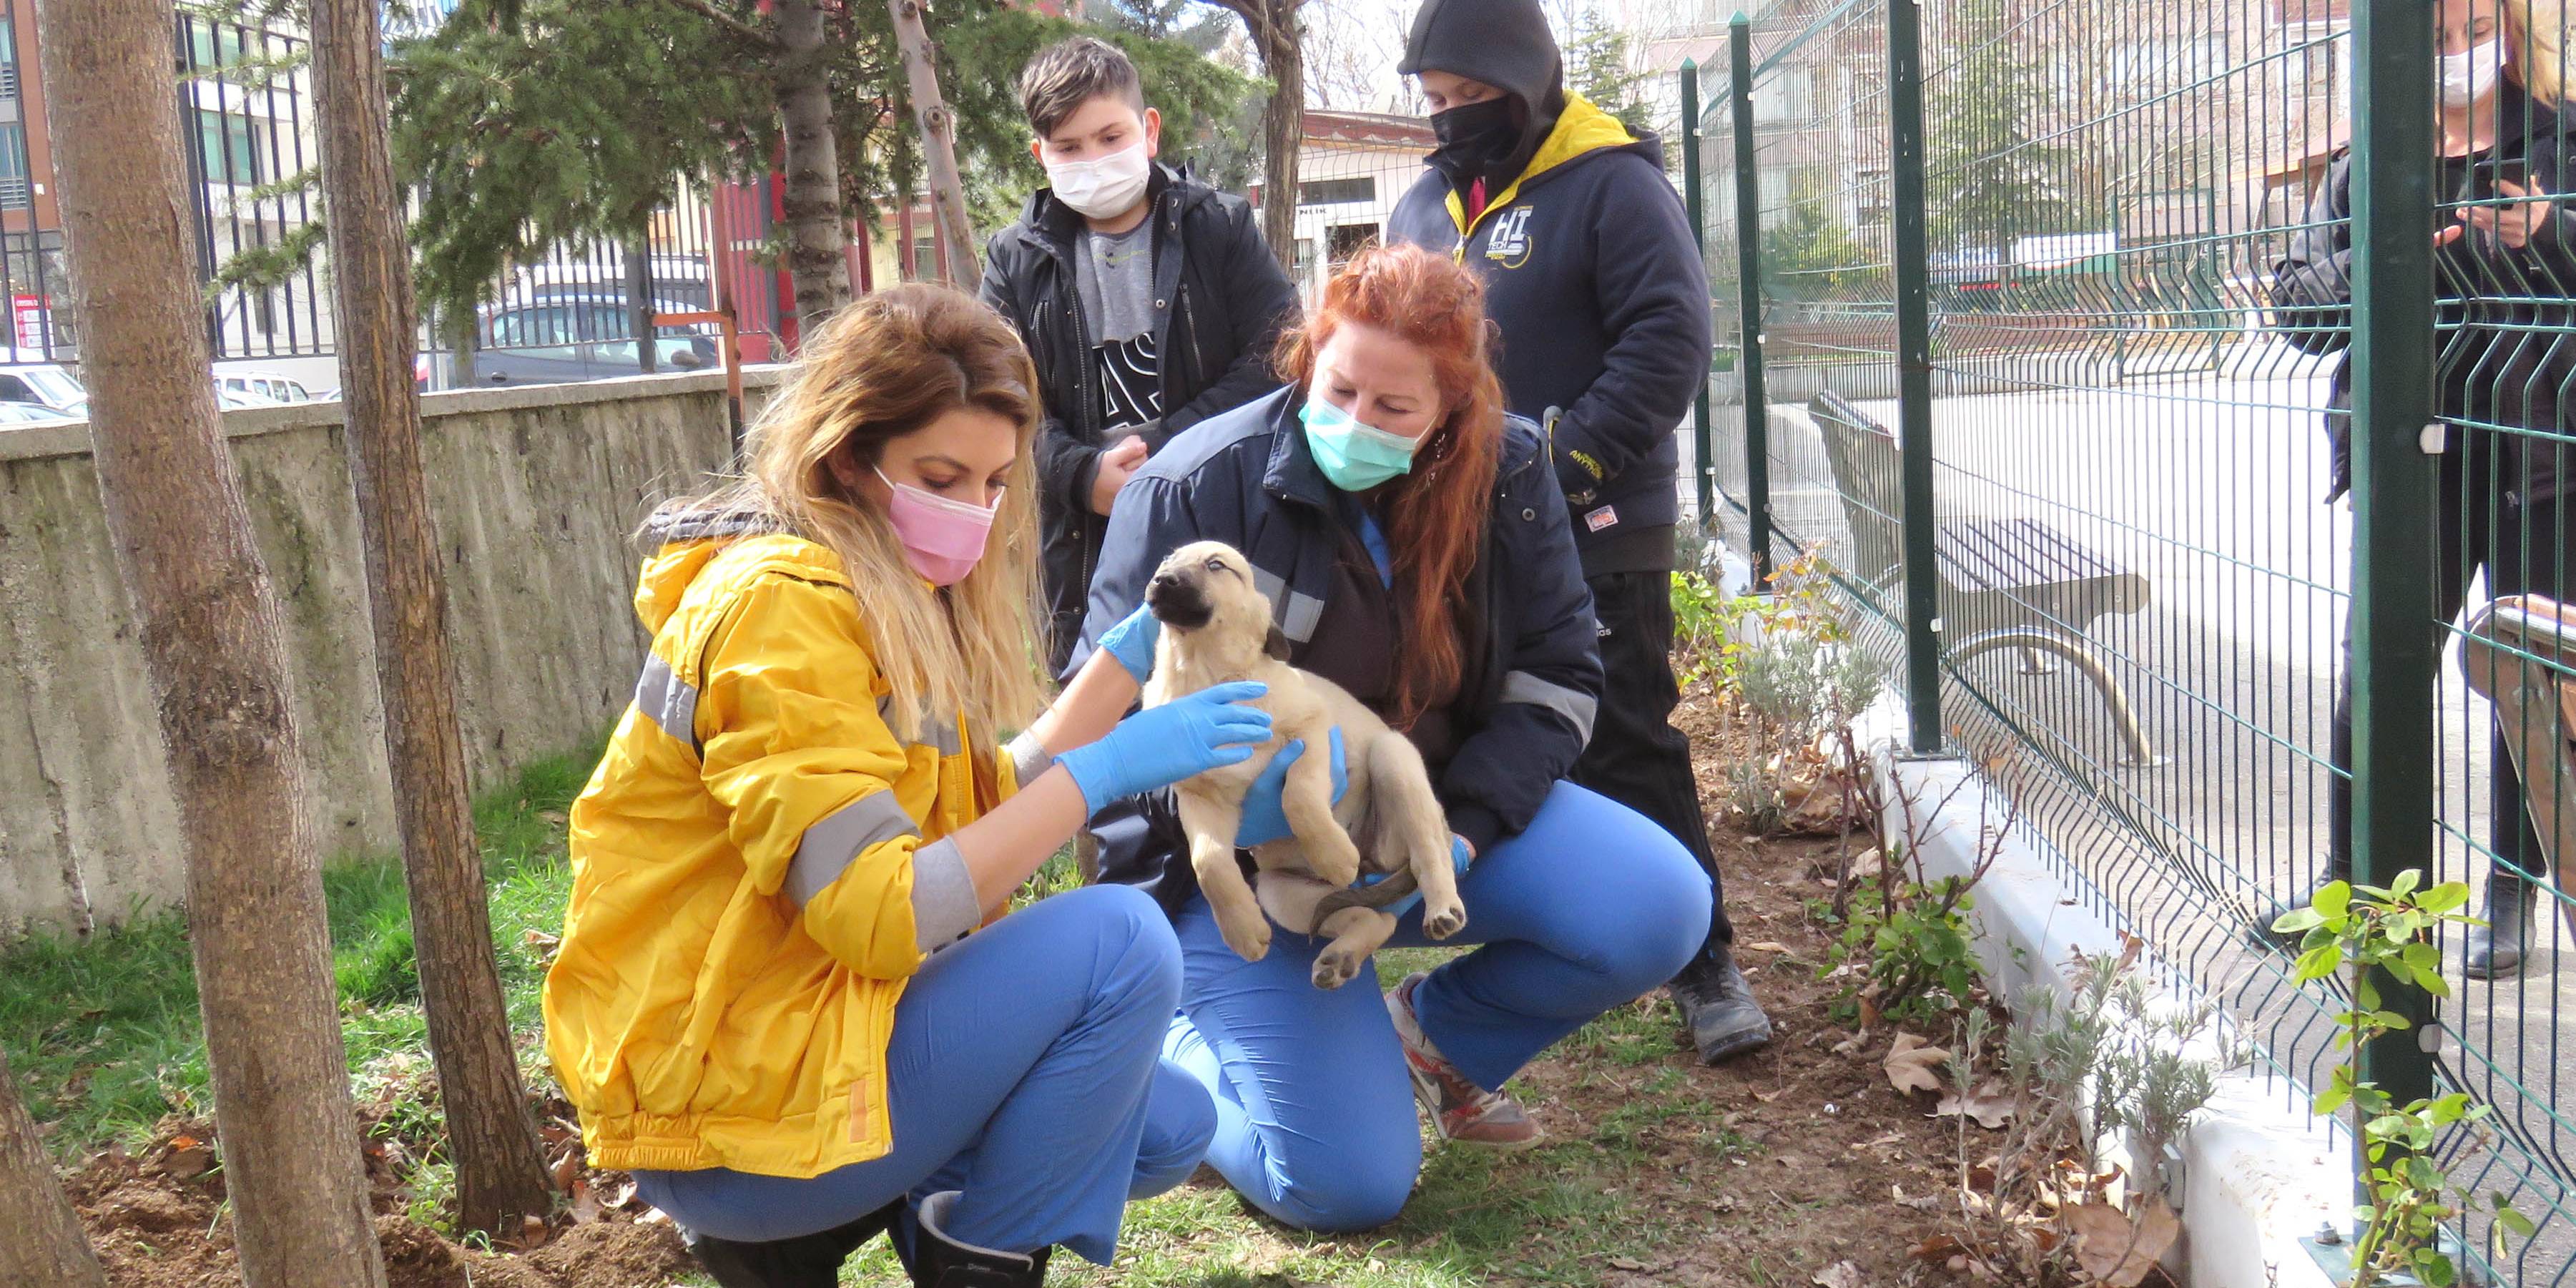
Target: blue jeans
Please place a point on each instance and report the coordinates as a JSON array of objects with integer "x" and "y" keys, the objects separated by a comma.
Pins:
[
  {"x": 1023, "y": 1072},
  {"x": 1589, "y": 908}
]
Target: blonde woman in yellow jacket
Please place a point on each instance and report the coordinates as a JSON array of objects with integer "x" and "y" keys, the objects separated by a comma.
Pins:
[{"x": 773, "y": 1003}]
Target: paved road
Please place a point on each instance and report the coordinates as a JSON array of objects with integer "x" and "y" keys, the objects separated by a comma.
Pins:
[{"x": 2208, "y": 485}]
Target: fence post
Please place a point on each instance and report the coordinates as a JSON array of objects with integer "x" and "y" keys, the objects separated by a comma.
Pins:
[
  {"x": 1914, "y": 370},
  {"x": 1706, "y": 482},
  {"x": 2396, "y": 644},
  {"x": 1748, "y": 294}
]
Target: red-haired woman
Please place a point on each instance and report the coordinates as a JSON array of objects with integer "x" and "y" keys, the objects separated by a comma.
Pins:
[{"x": 1414, "y": 544}]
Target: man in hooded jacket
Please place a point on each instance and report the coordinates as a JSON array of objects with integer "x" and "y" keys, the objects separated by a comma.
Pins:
[{"x": 1593, "y": 275}]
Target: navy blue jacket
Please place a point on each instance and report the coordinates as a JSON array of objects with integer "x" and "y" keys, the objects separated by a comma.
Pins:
[
  {"x": 1593, "y": 275},
  {"x": 1530, "y": 683}
]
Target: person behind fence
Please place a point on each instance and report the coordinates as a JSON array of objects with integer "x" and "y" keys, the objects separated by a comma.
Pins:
[
  {"x": 2506, "y": 263},
  {"x": 1148, "y": 299},
  {"x": 787, "y": 998},
  {"x": 1596, "y": 282},
  {"x": 1413, "y": 542}
]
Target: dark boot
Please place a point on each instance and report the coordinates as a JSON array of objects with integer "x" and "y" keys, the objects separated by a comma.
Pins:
[
  {"x": 940, "y": 1262},
  {"x": 807, "y": 1261},
  {"x": 1718, "y": 1007},
  {"x": 2495, "y": 949}
]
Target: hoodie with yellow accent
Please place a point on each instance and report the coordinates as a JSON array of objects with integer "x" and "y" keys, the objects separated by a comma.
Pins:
[
  {"x": 1595, "y": 280},
  {"x": 759, "y": 864}
]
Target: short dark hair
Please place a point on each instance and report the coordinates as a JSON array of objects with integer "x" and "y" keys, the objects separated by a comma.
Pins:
[{"x": 1070, "y": 73}]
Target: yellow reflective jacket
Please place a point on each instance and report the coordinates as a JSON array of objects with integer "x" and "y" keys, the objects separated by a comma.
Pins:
[{"x": 694, "y": 1014}]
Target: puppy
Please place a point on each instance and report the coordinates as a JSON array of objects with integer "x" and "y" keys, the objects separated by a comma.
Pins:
[{"x": 1216, "y": 627}]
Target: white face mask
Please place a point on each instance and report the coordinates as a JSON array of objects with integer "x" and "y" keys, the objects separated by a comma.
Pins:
[
  {"x": 2468, "y": 76},
  {"x": 1102, "y": 189}
]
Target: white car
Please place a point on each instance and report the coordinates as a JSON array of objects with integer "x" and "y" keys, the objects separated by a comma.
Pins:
[
  {"x": 262, "y": 385},
  {"x": 45, "y": 385}
]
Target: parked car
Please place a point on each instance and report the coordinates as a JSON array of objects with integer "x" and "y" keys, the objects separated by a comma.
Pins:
[
  {"x": 44, "y": 384},
  {"x": 262, "y": 384},
  {"x": 581, "y": 337},
  {"x": 14, "y": 414},
  {"x": 681, "y": 279}
]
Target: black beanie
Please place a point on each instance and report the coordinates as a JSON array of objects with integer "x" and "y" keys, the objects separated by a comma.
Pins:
[{"x": 1503, "y": 43}]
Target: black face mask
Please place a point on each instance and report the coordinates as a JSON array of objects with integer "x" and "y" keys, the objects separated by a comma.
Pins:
[{"x": 1474, "y": 139}]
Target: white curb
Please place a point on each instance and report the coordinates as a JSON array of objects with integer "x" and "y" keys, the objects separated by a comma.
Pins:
[{"x": 2257, "y": 1172}]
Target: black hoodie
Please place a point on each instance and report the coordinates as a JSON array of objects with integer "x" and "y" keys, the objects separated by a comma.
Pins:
[{"x": 1592, "y": 274}]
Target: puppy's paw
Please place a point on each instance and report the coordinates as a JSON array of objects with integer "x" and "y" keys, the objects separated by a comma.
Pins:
[
  {"x": 1250, "y": 940},
  {"x": 1336, "y": 967},
  {"x": 1445, "y": 920},
  {"x": 1334, "y": 858}
]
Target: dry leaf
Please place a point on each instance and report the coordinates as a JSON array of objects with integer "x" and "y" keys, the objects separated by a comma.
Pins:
[
  {"x": 1852, "y": 1045},
  {"x": 566, "y": 1169},
  {"x": 585, "y": 1203},
  {"x": 1626, "y": 1263},
  {"x": 2116, "y": 1250},
  {"x": 1841, "y": 1274},
  {"x": 1939, "y": 1247},
  {"x": 1910, "y": 1063},
  {"x": 1990, "y": 1105},
  {"x": 1869, "y": 1012},
  {"x": 188, "y": 1164},
  {"x": 532, "y": 1232},
  {"x": 1764, "y": 946}
]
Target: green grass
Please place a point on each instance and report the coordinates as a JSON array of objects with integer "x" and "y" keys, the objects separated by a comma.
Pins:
[
  {"x": 104, "y": 1034},
  {"x": 105, "y": 1040}
]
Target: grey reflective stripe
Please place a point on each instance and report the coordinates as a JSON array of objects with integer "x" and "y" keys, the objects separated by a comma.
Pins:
[
  {"x": 1298, "y": 623},
  {"x": 1297, "y": 613},
  {"x": 1029, "y": 758},
  {"x": 944, "y": 909},
  {"x": 831, "y": 844},
  {"x": 1576, "y": 706},
  {"x": 938, "y": 735},
  {"x": 669, "y": 703}
]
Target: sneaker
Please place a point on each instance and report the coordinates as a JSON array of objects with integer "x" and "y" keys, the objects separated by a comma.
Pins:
[{"x": 1460, "y": 1110}]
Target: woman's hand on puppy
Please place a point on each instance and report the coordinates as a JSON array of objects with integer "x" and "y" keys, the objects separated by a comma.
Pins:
[
  {"x": 1131, "y": 641},
  {"x": 1264, "y": 818},
  {"x": 1160, "y": 746}
]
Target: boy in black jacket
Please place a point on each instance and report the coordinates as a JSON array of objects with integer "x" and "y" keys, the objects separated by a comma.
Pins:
[
  {"x": 1147, "y": 299},
  {"x": 1593, "y": 275}
]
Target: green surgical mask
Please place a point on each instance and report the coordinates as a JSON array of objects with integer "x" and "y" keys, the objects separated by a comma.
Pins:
[{"x": 1354, "y": 456}]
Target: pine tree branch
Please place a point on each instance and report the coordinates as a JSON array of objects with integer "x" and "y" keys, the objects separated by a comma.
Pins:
[{"x": 737, "y": 26}]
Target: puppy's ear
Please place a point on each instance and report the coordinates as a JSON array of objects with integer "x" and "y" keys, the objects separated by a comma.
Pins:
[{"x": 1276, "y": 645}]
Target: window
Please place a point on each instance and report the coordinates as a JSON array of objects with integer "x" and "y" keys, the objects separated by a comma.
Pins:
[
  {"x": 212, "y": 46},
  {"x": 231, "y": 154},
  {"x": 1330, "y": 192},
  {"x": 14, "y": 189},
  {"x": 8, "y": 57},
  {"x": 1346, "y": 240}
]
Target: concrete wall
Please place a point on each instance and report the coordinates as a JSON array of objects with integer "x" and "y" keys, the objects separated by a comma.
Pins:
[{"x": 536, "y": 492}]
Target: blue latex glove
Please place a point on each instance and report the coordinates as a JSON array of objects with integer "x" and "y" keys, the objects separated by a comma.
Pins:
[
  {"x": 1132, "y": 642},
  {"x": 1458, "y": 859},
  {"x": 1160, "y": 746},
  {"x": 1264, "y": 820}
]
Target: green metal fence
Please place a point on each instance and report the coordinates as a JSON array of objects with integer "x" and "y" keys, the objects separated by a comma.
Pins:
[{"x": 2007, "y": 287}]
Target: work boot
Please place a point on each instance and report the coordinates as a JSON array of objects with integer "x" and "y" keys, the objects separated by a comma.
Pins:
[
  {"x": 807, "y": 1261},
  {"x": 938, "y": 1261},
  {"x": 2495, "y": 949},
  {"x": 2261, "y": 934},
  {"x": 1718, "y": 1007}
]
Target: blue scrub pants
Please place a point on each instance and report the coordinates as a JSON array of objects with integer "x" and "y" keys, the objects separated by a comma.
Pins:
[
  {"x": 1588, "y": 909},
  {"x": 1023, "y": 1072}
]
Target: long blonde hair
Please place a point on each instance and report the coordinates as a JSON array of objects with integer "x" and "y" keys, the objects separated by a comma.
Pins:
[
  {"x": 879, "y": 369},
  {"x": 2536, "y": 48}
]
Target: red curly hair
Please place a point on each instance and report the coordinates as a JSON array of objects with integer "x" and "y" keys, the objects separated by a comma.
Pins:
[{"x": 1436, "y": 513}]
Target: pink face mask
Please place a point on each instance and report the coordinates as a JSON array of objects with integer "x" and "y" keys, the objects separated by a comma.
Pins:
[{"x": 941, "y": 538}]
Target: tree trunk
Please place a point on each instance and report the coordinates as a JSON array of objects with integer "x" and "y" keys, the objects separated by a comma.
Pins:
[
  {"x": 638, "y": 254},
  {"x": 46, "y": 1244},
  {"x": 214, "y": 651},
  {"x": 463, "y": 333},
  {"x": 816, "y": 240},
  {"x": 492, "y": 1136},
  {"x": 938, "y": 143},
  {"x": 1272, "y": 25}
]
